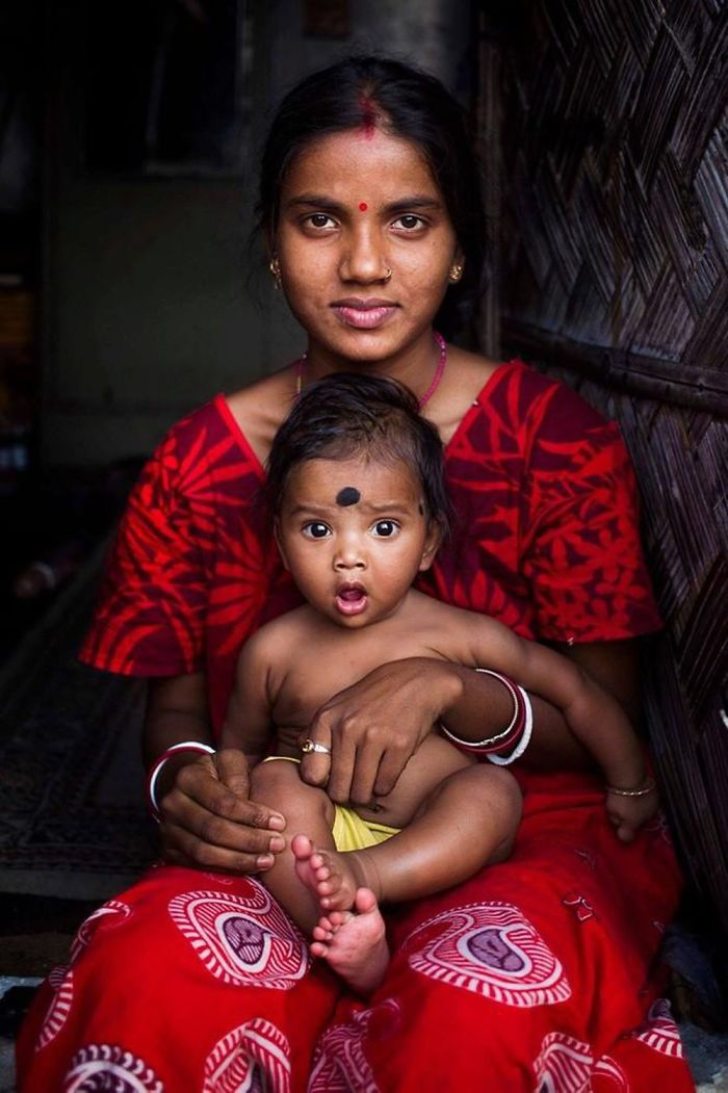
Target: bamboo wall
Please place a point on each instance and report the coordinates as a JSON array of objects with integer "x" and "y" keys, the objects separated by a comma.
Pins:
[{"x": 611, "y": 200}]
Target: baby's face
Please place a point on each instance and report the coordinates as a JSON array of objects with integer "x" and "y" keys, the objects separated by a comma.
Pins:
[{"x": 354, "y": 534}]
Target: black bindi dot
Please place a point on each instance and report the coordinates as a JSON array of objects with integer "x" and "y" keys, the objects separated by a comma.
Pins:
[
  {"x": 421, "y": 508},
  {"x": 348, "y": 496}
]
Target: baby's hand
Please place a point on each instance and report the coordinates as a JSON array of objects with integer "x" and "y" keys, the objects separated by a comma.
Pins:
[{"x": 628, "y": 814}]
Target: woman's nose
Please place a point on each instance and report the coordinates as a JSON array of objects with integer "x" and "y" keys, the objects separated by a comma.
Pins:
[{"x": 364, "y": 259}]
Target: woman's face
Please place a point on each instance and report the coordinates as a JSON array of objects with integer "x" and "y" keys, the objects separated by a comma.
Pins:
[{"x": 354, "y": 206}]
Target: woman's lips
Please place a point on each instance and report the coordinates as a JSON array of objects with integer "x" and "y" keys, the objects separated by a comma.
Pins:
[{"x": 364, "y": 314}]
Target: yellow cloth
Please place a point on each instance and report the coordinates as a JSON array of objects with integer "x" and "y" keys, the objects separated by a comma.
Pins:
[{"x": 350, "y": 831}]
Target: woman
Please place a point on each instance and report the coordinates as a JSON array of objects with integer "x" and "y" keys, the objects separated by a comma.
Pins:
[{"x": 195, "y": 980}]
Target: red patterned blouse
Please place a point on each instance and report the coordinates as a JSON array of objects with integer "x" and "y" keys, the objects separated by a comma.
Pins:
[{"x": 545, "y": 537}]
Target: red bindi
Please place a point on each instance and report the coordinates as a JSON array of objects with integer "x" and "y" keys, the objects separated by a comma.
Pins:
[{"x": 363, "y": 206}]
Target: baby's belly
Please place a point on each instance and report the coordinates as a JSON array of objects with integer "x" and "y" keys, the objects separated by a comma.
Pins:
[{"x": 288, "y": 741}]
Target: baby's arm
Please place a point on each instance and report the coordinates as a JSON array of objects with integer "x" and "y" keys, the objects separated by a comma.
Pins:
[
  {"x": 248, "y": 722},
  {"x": 594, "y": 716}
]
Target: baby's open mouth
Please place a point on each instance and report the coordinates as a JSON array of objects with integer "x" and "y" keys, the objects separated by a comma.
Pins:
[{"x": 351, "y": 599}]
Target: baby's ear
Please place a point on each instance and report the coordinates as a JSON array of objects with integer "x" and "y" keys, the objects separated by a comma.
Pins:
[{"x": 432, "y": 542}]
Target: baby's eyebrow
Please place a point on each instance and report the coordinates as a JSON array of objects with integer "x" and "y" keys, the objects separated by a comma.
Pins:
[
  {"x": 311, "y": 510},
  {"x": 389, "y": 506}
]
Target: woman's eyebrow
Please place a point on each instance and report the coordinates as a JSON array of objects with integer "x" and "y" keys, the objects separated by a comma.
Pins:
[
  {"x": 417, "y": 201},
  {"x": 402, "y": 204},
  {"x": 317, "y": 201}
]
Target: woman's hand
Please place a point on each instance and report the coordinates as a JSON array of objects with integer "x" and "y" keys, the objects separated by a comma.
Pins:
[
  {"x": 374, "y": 726},
  {"x": 208, "y": 821}
]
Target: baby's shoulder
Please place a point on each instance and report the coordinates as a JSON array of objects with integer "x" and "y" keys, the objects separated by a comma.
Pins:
[
  {"x": 288, "y": 627},
  {"x": 447, "y": 629}
]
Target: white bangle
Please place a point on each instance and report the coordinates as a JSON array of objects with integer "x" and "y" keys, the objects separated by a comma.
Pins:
[
  {"x": 505, "y": 760},
  {"x": 156, "y": 770}
]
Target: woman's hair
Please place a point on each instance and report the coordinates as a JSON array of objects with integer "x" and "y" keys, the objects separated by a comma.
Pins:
[
  {"x": 345, "y": 416},
  {"x": 403, "y": 102}
]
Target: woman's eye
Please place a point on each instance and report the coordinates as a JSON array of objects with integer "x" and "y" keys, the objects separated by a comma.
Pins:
[
  {"x": 385, "y": 529},
  {"x": 315, "y": 530},
  {"x": 319, "y": 221},
  {"x": 409, "y": 222}
]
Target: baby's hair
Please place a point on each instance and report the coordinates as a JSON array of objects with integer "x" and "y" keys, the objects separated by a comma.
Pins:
[{"x": 344, "y": 416}]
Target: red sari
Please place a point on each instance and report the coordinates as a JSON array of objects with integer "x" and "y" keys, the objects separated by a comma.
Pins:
[{"x": 538, "y": 973}]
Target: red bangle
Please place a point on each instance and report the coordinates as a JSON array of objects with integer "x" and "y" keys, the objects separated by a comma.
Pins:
[
  {"x": 505, "y": 739},
  {"x": 156, "y": 769}
]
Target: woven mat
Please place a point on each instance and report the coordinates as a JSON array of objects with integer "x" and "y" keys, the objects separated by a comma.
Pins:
[{"x": 72, "y": 816}]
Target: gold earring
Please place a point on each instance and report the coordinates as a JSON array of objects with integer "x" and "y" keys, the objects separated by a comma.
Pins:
[
  {"x": 275, "y": 267},
  {"x": 456, "y": 273}
]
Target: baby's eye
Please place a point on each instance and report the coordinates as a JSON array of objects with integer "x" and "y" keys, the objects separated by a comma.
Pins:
[
  {"x": 316, "y": 530},
  {"x": 385, "y": 529}
]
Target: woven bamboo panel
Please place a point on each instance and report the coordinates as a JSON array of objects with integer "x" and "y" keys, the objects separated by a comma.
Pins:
[{"x": 613, "y": 272}]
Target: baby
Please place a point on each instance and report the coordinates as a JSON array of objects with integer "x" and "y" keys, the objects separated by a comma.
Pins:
[{"x": 359, "y": 506}]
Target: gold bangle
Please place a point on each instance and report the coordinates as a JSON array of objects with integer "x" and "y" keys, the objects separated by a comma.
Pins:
[{"x": 648, "y": 786}]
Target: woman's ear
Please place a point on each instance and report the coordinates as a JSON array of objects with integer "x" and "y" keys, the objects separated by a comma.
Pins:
[{"x": 432, "y": 543}]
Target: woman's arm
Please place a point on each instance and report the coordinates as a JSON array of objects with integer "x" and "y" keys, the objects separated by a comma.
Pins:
[
  {"x": 207, "y": 820},
  {"x": 374, "y": 726},
  {"x": 596, "y": 717}
]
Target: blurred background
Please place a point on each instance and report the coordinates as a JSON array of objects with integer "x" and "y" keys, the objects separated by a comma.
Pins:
[{"x": 131, "y": 292}]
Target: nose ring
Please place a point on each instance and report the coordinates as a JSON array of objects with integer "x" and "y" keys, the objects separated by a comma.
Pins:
[{"x": 387, "y": 276}]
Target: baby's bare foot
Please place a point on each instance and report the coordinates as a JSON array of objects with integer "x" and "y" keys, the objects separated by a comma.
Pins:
[
  {"x": 329, "y": 876},
  {"x": 354, "y": 942}
]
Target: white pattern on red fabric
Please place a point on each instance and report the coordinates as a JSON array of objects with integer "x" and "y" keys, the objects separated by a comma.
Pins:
[
  {"x": 493, "y": 950},
  {"x": 340, "y": 1065},
  {"x": 581, "y": 907},
  {"x": 608, "y": 1068},
  {"x": 103, "y": 917},
  {"x": 242, "y": 940},
  {"x": 99, "y": 1067},
  {"x": 660, "y": 1032},
  {"x": 567, "y": 1065},
  {"x": 254, "y": 1058},
  {"x": 61, "y": 979}
]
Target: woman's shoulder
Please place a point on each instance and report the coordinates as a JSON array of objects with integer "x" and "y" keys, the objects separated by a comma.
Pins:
[
  {"x": 519, "y": 400},
  {"x": 537, "y": 399},
  {"x": 203, "y": 450},
  {"x": 198, "y": 426}
]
